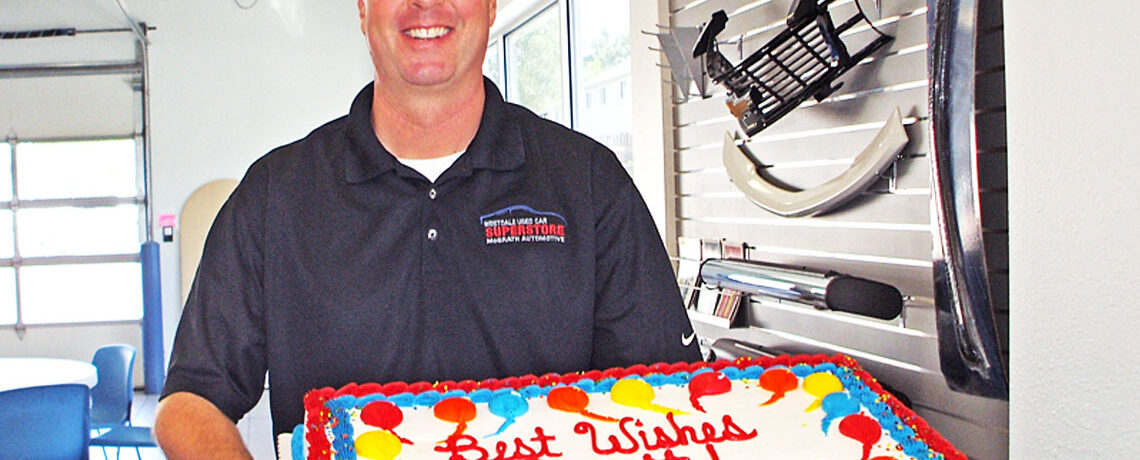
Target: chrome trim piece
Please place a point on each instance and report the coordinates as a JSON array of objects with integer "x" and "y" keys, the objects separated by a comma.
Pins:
[
  {"x": 967, "y": 337},
  {"x": 71, "y": 69}
]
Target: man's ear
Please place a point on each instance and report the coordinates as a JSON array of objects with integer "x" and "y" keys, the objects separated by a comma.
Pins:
[
  {"x": 360, "y": 6},
  {"x": 494, "y": 9}
]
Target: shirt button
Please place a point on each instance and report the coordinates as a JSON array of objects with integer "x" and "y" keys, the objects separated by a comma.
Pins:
[
  {"x": 431, "y": 194},
  {"x": 432, "y": 234}
]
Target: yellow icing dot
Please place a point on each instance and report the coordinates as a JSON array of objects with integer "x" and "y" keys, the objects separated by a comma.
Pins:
[
  {"x": 821, "y": 384},
  {"x": 638, "y": 394},
  {"x": 378, "y": 445}
]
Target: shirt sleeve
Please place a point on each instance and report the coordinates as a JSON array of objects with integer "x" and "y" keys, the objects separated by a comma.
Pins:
[
  {"x": 639, "y": 315},
  {"x": 219, "y": 347}
]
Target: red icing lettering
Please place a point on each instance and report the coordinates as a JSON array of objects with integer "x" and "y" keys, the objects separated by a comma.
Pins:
[
  {"x": 662, "y": 440},
  {"x": 461, "y": 446}
]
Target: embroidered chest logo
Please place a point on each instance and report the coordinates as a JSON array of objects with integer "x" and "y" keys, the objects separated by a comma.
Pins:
[{"x": 523, "y": 224}]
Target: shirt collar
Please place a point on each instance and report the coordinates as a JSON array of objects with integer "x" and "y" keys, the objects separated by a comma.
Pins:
[{"x": 497, "y": 145}]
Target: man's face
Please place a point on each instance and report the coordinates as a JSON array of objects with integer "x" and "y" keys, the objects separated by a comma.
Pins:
[{"x": 426, "y": 42}]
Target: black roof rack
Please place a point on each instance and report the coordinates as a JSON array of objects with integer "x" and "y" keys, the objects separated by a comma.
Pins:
[{"x": 801, "y": 61}]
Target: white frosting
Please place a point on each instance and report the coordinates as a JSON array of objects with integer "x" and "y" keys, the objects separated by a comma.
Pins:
[{"x": 782, "y": 429}]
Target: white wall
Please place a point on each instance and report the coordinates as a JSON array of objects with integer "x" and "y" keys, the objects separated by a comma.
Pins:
[
  {"x": 229, "y": 84},
  {"x": 1074, "y": 213}
]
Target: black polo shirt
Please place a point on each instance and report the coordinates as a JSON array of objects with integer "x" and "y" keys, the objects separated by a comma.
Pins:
[{"x": 334, "y": 263}]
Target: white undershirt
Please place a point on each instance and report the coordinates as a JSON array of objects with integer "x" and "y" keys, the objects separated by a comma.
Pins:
[{"x": 431, "y": 168}]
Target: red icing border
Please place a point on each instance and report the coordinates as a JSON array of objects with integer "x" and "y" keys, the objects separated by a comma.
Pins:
[{"x": 318, "y": 414}]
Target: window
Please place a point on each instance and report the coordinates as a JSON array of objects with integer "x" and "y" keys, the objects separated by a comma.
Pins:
[
  {"x": 534, "y": 65},
  {"x": 493, "y": 64},
  {"x": 550, "y": 57},
  {"x": 71, "y": 222}
]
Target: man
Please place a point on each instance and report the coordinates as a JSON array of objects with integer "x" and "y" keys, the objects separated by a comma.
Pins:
[{"x": 434, "y": 233}]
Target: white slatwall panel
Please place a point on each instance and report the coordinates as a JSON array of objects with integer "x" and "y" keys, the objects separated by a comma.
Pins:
[{"x": 885, "y": 235}]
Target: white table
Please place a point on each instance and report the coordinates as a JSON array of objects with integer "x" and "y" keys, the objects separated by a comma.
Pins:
[{"x": 30, "y": 372}]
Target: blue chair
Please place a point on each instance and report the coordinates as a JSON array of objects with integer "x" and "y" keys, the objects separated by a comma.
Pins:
[
  {"x": 111, "y": 401},
  {"x": 45, "y": 423},
  {"x": 125, "y": 436},
  {"x": 111, "y": 397}
]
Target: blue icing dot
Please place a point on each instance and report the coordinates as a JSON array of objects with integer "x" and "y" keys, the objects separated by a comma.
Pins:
[
  {"x": 684, "y": 375},
  {"x": 586, "y": 385},
  {"x": 702, "y": 371},
  {"x": 454, "y": 394},
  {"x": 802, "y": 370},
  {"x": 508, "y": 405},
  {"x": 656, "y": 379},
  {"x": 361, "y": 402},
  {"x": 605, "y": 385},
  {"x": 678, "y": 379},
  {"x": 731, "y": 372},
  {"x": 341, "y": 403},
  {"x": 481, "y": 395},
  {"x": 752, "y": 372},
  {"x": 837, "y": 405},
  {"x": 428, "y": 398},
  {"x": 826, "y": 367},
  {"x": 403, "y": 399},
  {"x": 532, "y": 391}
]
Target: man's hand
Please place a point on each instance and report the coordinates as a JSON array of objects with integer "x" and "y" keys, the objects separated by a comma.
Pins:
[{"x": 188, "y": 426}]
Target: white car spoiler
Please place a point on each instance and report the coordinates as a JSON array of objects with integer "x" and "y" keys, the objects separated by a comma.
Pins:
[{"x": 864, "y": 170}]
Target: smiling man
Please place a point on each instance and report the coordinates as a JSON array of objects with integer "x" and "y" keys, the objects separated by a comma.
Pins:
[{"x": 435, "y": 232}]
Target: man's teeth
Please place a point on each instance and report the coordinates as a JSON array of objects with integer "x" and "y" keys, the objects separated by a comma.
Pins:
[{"x": 427, "y": 32}]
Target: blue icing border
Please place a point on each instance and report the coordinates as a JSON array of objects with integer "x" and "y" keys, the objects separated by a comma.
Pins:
[{"x": 343, "y": 443}]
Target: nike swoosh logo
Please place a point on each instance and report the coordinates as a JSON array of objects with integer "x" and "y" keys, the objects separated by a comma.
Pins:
[{"x": 687, "y": 340}]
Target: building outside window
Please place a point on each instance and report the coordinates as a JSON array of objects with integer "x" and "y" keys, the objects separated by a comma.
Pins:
[{"x": 570, "y": 62}]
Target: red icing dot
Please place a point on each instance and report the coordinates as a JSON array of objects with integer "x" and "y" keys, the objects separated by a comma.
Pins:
[
  {"x": 455, "y": 410},
  {"x": 491, "y": 384},
  {"x": 571, "y": 378},
  {"x": 639, "y": 369},
  {"x": 526, "y": 381},
  {"x": 382, "y": 414},
  {"x": 549, "y": 379},
  {"x": 863, "y": 429},
  {"x": 567, "y": 399},
  {"x": 573, "y": 399},
  {"x": 419, "y": 387},
  {"x": 680, "y": 367},
  {"x": 394, "y": 388},
  {"x": 708, "y": 383},
  {"x": 779, "y": 381},
  {"x": 718, "y": 365},
  {"x": 467, "y": 385},
  {"x": 615, "y": 372}
]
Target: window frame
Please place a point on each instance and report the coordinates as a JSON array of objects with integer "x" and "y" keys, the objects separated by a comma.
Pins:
[{"x": 14, "y": 204}]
